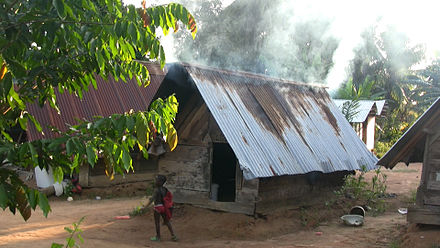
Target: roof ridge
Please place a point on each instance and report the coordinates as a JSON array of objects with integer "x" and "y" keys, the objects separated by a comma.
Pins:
[{"x": 252, "y": 74}]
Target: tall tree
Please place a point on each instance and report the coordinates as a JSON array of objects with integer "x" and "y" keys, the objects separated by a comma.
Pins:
[
  {"x": 385, "y": 58},
  {"x": 426, "y": 85},
  {"x": 62, "y": 44},
  {"x": 382, "y": 66},
  {"x": 262, "y": 37}
]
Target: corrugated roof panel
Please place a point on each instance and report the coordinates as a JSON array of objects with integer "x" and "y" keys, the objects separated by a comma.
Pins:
[
  {"x": 238, "y": 136},
  {"x": 149, "y": 92},
  {"x": 363, "y": 109},
  {"x": 131, "y": 95},
  {"x": 111, "y": 97},
  {"x": 277, "y": 127}
]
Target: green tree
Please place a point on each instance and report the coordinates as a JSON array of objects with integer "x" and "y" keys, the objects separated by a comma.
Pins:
[
  {"x": 382, "y": 69},
  {"x": 363, "y": 91},
  {"x": 354, "y": 93},
  {"x": 62, "y": 44},
  {"x": 386, "y": 59},
  {"x": 426, "y": 85}
]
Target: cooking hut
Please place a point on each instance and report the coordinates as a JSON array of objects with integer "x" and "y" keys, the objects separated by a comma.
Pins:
[
  {"x": 249, "y": 143},
  {"x": 421, "y": 143}
]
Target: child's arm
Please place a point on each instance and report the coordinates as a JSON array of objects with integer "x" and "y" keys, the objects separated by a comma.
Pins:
[
  {"x": 152, "y": 198},
  {"x": 148, "y": 203}
]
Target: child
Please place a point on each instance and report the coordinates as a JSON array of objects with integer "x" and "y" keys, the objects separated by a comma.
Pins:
[{"x": 162, "y": 199}]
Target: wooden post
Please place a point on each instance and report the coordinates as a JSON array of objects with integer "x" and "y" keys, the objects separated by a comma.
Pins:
[
  {"x": 84, "y": 172},
  {"x": 369, "y": 134}
]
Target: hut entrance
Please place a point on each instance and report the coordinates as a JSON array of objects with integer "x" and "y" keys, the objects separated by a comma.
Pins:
[{"x": 223, "y": 173}]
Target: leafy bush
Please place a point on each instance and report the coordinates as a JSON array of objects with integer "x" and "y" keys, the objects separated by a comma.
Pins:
[
  {"x": 138, "y": 210},
  {"x": 381, "y": 148},
  {"x": 366, "y": 193},
  {"x": 68, "y": 190}
]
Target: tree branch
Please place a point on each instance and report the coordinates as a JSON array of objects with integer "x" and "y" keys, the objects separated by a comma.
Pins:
[{"x": 56, "y": 20}]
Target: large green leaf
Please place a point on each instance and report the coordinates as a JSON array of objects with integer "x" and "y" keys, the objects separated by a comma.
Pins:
[
  {"x": 3, "y": 197},
  {"x": 141, "y": 129},
  {"x": 91, "y": 155},
  {"x": 60, "y": 7},
  {"x": 34, "y": 154},
  {"x": 32, "y": 196},
  {"x": 70, "y": 147},
  {"x": 36, "y": 123},
  {"x": 58, "y": 174},
  {"x": 126, "y": 160},
  {"x": 132, "y": 31},
  {"x": 43, "y": 203},
  {"x": 7, "y": 136}
]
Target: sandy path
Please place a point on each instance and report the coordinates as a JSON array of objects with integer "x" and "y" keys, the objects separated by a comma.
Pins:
[{"x": 204, "y": 228}]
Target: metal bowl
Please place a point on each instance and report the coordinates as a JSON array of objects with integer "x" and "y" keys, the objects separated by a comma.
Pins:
[
  {"x": 358, "y": 210},
  {"x": 353, "y": 219}
]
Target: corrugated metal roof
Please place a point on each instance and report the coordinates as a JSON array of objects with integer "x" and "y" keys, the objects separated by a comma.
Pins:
[
  {"x": 109, "y": 98},
  {"x": 277, "y": 127},
  {"x": 410, "y": 147},
  {"x": 364, "y": 108}
]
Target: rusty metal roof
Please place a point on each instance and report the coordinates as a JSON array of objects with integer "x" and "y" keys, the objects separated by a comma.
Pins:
[
  {"x": 410, "y": 147},
  {"x": 109, "y": 98},
  {"x": 277, "y": 127}
]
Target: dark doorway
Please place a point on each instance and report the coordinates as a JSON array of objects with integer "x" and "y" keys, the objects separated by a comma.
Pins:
[{"x": 224, "y": 164}]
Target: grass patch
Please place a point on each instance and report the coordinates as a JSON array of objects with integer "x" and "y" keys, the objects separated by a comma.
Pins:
[{"x": 394, "y": 244}]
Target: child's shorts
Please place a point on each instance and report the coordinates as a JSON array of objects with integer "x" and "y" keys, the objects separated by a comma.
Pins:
[{"x": 162, "y": 210}]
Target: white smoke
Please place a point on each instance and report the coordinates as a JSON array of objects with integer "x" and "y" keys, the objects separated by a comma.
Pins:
[{"x": 417, "y": 19}]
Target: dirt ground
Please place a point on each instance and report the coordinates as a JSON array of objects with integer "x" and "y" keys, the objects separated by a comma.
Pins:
[{"x": 312, "y": 226}]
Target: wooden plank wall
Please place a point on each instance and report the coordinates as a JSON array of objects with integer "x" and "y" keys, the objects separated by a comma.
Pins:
[
  {"x": 427, "y": 209},
  {"x": 424, "y": 215},
  {"x": 187, "y": 167},
  {"x": 295, "y": 191},
  {"x": 430, "y": 183}
]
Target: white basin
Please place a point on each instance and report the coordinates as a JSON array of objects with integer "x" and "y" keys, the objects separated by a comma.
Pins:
[{"x": 353, "y": 219}]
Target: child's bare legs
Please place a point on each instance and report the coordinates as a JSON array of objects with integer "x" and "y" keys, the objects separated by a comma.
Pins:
[
  {"x": 157, "y": 223},
  {"x": 168, "y": 224}
]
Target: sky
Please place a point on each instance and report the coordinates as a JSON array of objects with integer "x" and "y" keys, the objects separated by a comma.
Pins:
[{"x": 420, "y": 20}]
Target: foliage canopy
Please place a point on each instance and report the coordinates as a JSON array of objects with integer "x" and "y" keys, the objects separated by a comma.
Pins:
[
  {"x": 383, "y": 68},
  {"x": 49, "y": 45}
]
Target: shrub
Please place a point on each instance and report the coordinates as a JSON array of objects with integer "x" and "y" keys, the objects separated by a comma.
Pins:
[
  {"x": 74, "y": 233},
  {"x": 366, "y": 193}
]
